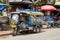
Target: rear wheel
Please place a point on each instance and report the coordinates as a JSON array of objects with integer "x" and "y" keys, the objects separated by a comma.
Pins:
[{"x": 37, "y": 29}]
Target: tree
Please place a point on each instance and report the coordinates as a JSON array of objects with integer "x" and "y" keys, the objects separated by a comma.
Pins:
[
  {"x": 40, "y": 2},
  {"x": 51, "y": 2}
]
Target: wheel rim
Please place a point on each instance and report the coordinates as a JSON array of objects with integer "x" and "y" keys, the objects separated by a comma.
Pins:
[{"x": 38, "y": 30}]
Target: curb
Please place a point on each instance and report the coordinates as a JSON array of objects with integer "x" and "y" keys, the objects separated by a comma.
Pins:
[{"x": 5, "y": 33}]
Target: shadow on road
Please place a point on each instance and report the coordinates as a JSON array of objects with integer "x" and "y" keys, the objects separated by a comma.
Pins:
[{"x": 28, "y": 33}]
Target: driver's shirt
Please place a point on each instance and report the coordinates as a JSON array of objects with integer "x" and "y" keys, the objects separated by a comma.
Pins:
[{"x": 15, "y": 17}]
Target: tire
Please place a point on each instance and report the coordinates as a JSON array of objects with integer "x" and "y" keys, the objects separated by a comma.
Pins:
[
  {"x": 14, "y": 32},
  {"x": 38, "y": 29}
]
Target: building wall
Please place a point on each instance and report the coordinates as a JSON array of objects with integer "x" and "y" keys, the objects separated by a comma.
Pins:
[{"x": 57, "y": 2}]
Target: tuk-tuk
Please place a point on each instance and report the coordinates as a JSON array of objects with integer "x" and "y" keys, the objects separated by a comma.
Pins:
[{"x": 20, "y": 23}]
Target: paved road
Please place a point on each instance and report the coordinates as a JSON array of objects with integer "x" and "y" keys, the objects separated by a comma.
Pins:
[{"x": 46, "y": 34}]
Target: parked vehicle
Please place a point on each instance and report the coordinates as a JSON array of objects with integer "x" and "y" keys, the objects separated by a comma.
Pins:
[
  {"x": 4, "y": 23},
  {"x": 20, "y": 24},
  {"x": 57, "y": 23}
]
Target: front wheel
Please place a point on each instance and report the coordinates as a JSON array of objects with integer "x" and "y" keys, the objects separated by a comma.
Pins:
[{"x": 14, "y": 31}]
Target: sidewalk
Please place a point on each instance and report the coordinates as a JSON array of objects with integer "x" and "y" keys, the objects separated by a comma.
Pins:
[{"x": 2, "y": 33}]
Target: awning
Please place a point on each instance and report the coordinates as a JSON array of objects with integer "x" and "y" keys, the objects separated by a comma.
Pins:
[{"x": 2, "y": 7}]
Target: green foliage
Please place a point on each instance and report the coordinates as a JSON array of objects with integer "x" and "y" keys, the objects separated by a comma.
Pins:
[
  {"x": 45, "y": 2},
  {"x": 53, "y": 2},
  {"x": 42, "y": 2}
]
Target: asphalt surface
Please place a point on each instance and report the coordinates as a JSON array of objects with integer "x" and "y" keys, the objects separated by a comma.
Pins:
[{"x": 46, "y": 34}]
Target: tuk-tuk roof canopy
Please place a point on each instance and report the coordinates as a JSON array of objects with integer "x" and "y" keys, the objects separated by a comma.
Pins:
[{"x": 12, "y": 3}]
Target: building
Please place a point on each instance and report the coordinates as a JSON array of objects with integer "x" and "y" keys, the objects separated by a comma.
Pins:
[{"x": 57, "y": 2}]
